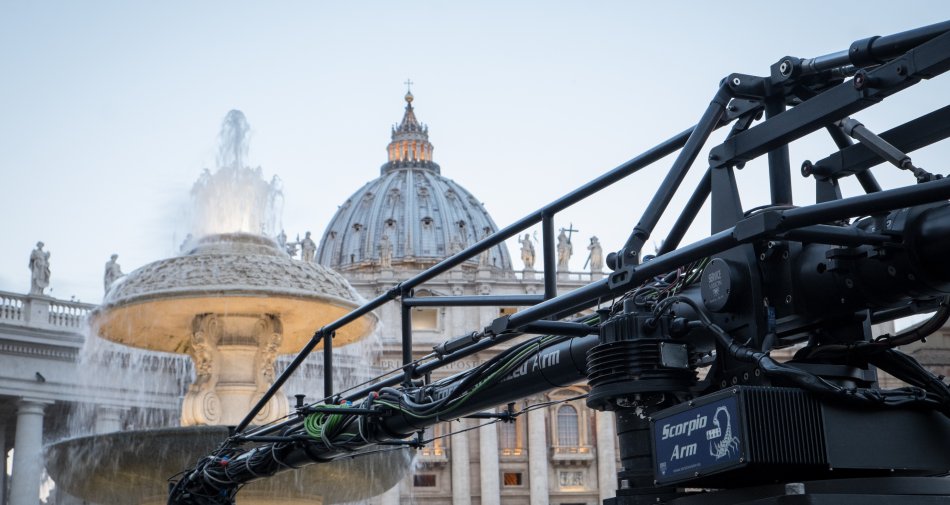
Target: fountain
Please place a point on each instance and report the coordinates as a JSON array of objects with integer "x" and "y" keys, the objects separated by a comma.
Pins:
[{"x": 233, "y": 301}]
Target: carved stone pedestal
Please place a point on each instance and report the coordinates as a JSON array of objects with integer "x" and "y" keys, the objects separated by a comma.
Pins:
[{"x": 234, "y": 358}]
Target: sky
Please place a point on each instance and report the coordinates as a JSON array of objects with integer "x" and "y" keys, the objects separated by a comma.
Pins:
[{"x": 109, "y": 111}]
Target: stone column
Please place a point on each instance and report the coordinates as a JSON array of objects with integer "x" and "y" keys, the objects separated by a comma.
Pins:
[
  {"x": 488, "y": 455},
  {"x": 606, "y": 455},
  {"x": 3, "y": 463},
  {"x": 537, "y": 457},
  {"x": 461, "y": 480},
  {"x": 28, "y": 453}
]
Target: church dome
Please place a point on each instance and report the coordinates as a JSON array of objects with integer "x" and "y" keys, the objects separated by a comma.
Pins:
[{"x": 413, "y": 213}]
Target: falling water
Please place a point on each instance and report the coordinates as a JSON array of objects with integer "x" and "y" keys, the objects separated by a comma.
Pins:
[{"x": 146, "y": 387}]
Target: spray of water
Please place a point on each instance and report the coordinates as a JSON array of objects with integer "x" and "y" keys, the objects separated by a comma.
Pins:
[{"x": 235, "y": 197}]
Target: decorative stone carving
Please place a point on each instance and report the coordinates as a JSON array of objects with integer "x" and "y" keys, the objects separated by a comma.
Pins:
[
  {"x": 564, "y": 251},
  {"x": 112, "y": 272},
  {"x": 39, "y": 266},
  {"x": 527, "y": 252},
  {"x": 596, "y": 256},
  {"x": 231, "y": 269},
  {"x": 234, "y": 359},
  {"x": 201, "y": 404},
  {"x": 385, "y": 252},
  {"x": 307, "y": 248}
]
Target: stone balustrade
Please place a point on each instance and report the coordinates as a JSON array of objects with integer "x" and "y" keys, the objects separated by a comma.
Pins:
[
  {"x": 11, "y": 307},
  {"x": 68, "y": 314},
  {"x": 42, "y": 311}
]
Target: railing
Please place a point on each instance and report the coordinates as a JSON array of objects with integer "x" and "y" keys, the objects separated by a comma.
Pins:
[
  {"x": 20, "y": 309},
  {"x": 432, "y": 456},
  {"x": 572, "y": 453},
  {"x": 68, "y": 314},
  {"x": 511, "y": 451},
  {"x": 11, "y": 307},
  {"x": 561, "y": 276}
]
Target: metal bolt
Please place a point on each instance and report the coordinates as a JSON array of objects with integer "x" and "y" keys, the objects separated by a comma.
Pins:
[
  {"x": 722, "y": 384},
  {"x": 785, "y": 68},
  {"x": 762, "y": 256},
  {"x": 736, "y": 81},
  {"x": 735, "y": 380},
  {"x": 849, "y": 283},
  {"x": 784, "y": 255},
  {"x": 860, "y": 80},
  {"x": 757, "y": 372},
  {"x": 901, "y": 70},
  {"x": 788, "y": 299},
  {"x": 807, "y": 168},
  {"x": 745, "y": 376},
  {"x": 891, "y": 271}
]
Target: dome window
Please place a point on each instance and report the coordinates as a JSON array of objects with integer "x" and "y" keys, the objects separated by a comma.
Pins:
[
  {"x": 390, "y": 223},
  {"x": 427, "y": 221}
]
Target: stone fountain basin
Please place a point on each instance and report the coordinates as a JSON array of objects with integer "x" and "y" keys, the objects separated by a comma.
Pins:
[
  {"x": 133, "y": 467},
  {"x": 165, "y": 323},
  {"x": 155, "y": 306}
]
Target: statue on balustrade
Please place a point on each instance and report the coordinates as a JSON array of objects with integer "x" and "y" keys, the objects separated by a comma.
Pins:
[
  {"x": 307, "y": 248},
  {"x": 527, "y": 252},
  {"x": 39, "y": 266},
  {"x": 112, "y": 273},
  {"x": 596, "y": 256},
  {"x": 564, "y": 251}
]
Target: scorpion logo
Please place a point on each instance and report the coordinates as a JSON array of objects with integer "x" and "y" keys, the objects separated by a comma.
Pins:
[{"x": 728, "y": 444}]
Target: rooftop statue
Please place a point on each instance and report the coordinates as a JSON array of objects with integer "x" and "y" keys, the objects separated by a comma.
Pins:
[
  {"x": 307, "y": 248},
  {"x": 39, "y": 266},
  {"x": 527, "y": 252},
  {"x": 564, "y": 251},
  {"x": 596, "y": 256},
  {"x": 112, "y": 272}
]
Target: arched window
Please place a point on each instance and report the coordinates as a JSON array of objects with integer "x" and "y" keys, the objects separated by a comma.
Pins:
[{"x": 567, "y": 430}]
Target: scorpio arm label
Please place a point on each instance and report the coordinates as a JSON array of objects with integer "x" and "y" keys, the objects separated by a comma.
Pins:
[{"x": 696, "y": 440}]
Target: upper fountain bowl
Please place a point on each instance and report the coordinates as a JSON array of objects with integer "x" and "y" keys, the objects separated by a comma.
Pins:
[{"x": 234, "y": 273}]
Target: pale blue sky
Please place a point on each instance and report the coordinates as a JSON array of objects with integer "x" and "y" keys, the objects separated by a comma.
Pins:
[{"x": 110, "y": 110}]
